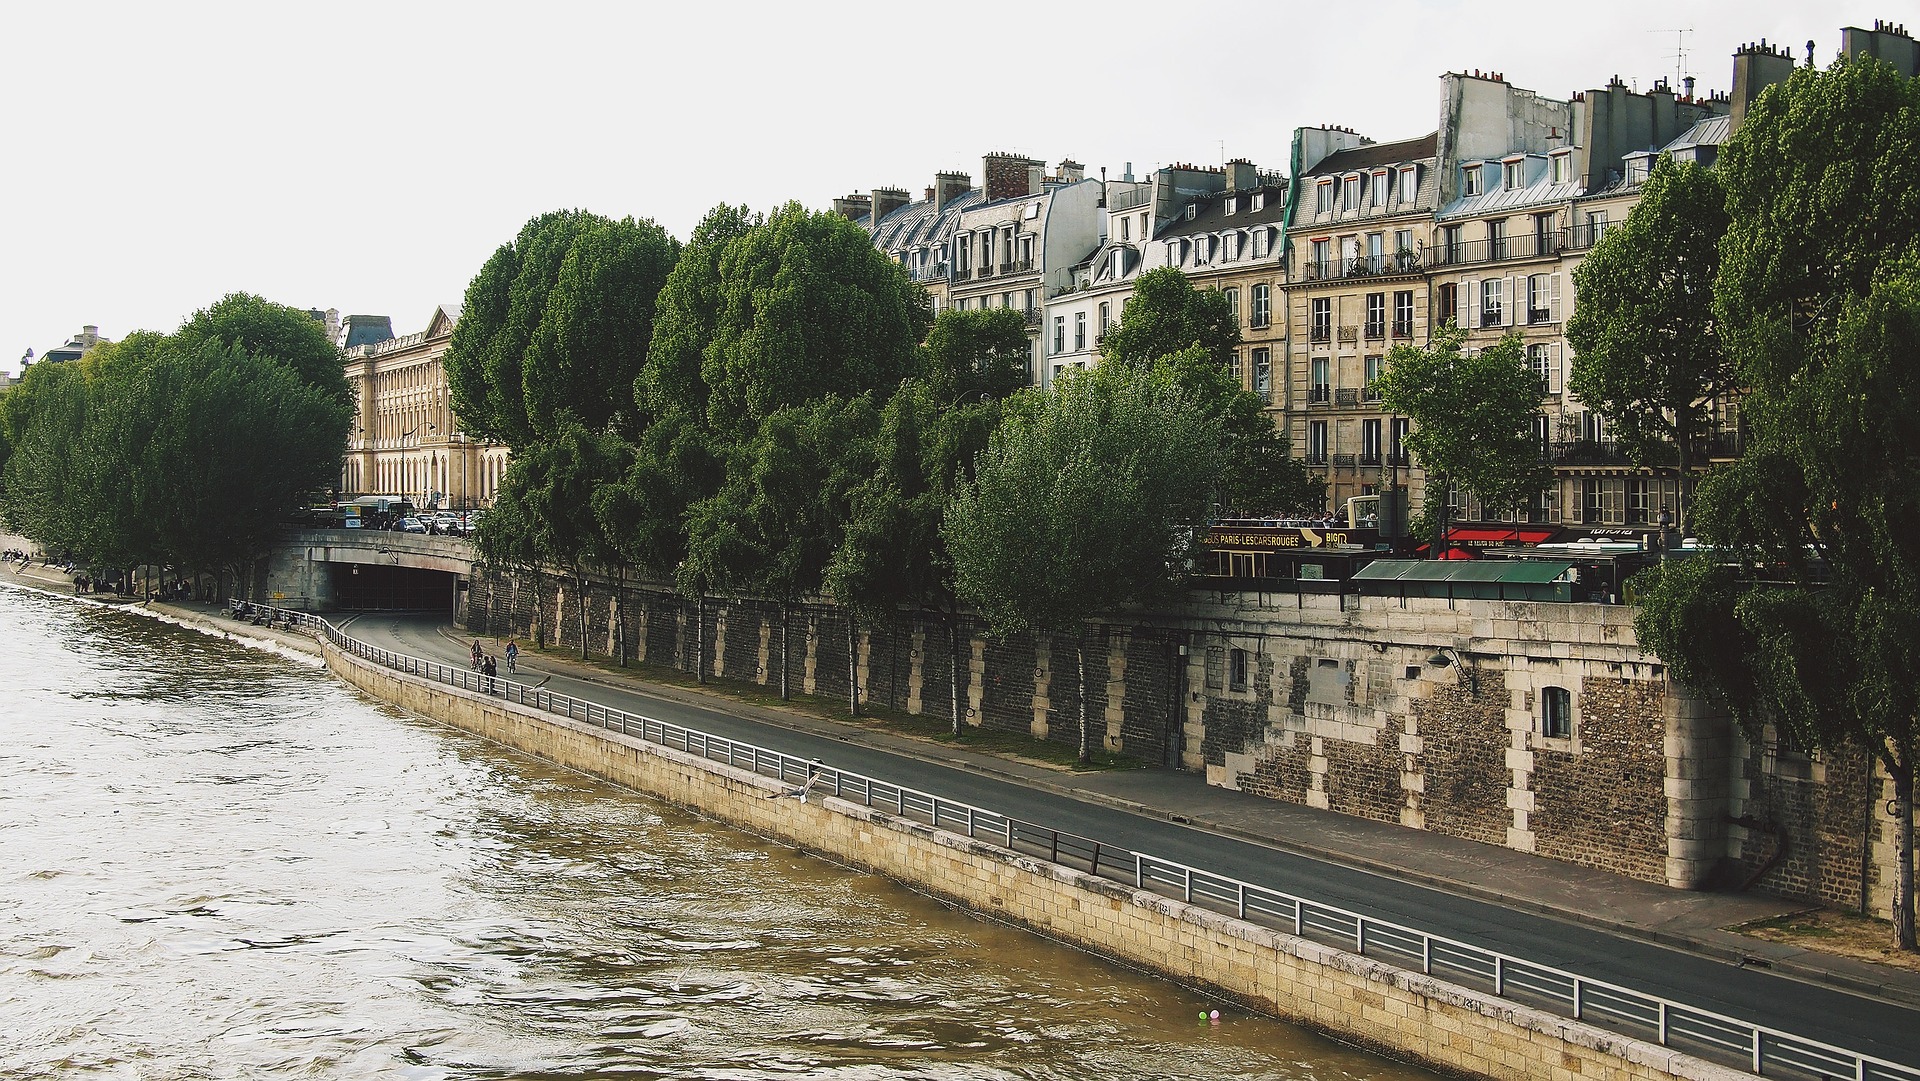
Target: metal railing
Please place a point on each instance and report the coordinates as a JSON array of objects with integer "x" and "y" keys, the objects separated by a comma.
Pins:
[{"x": 1761, "y": 1050}]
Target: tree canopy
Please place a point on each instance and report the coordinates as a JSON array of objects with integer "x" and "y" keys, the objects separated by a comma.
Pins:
[
  {"x": 1472, "y": 417},
  {"x": 556, "y": 324},
  {"x": 286, "y": 335},
  {"x": 1647, "y": 346}
]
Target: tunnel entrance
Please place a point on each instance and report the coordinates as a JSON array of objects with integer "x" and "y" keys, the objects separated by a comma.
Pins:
[{"x": 380, "y": 587}]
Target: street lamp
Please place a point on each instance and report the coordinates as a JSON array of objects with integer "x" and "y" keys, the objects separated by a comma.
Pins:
[{"x": 1441, "y": 659}]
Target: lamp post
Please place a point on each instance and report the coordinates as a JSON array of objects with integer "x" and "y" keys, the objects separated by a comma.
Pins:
[{"x": 1449, "y": 657}]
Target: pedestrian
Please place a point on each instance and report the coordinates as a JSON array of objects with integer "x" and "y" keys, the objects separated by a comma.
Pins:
[{"x": 488, "y": 668}]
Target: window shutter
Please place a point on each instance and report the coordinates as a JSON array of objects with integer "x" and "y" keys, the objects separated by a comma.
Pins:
[
  {"x": 1553, "y": 367},
  {"x": 1507, "y": 304},
  {"x": 1467, "y": 312},
  {"x": 1553, "y": 300}
]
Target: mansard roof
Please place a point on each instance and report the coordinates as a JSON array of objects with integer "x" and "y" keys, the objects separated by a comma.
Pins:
[{"x": 1373, "y": 155}]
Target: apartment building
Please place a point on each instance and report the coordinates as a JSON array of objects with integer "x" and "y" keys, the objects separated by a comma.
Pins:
[{"x": 1234, "y": 240}]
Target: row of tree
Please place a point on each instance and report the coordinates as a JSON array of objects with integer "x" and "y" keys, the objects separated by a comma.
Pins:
[
  {"x": 185, "y": 450},
  {"x": 772, "y": 409}
]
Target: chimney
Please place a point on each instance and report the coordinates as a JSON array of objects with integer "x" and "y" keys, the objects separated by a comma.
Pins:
[
  {"x": 852, "y": 207},
  {"x": 1241, "y": 175},
  {"x": 949, "y": 186},
  {"x": 888, "y": 200},
  {"x": 1688, "y": 83},
  {"x": 1071, "y": 171},
  {"x": 1888, "y": 41},
  {"x": 1006, "y": 176},
  {"x": 1756, "y": 67},
  {"x": 89, "y": 334}
]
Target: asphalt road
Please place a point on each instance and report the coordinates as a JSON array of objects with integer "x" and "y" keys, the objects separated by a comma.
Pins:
[{"x": 1868, "y": 1025}]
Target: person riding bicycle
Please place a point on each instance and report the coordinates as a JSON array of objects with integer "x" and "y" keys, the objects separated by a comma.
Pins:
[
  {"x": 474, "y": 655},
  {"x": 513, "y": 656}
]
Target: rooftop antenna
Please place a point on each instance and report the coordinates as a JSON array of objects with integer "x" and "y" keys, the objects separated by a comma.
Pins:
[{"x": 1679, "y": 53}]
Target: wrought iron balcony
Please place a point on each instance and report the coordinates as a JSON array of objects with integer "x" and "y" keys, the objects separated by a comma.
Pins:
[
  {"x": 1346, "y": 396},
  {"x": 1321, "y": 332},
  {"x": 1343, "y": 461},
  {"x": 1375, "y": 329},
  {"x": 1403, "y": 328},
  {"x": 1502, "y": 250},
  {"x": 1319, "y": 394}
]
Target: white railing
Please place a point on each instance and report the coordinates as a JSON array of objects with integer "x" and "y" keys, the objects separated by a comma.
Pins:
[{"x": 1761, "y": 1050}]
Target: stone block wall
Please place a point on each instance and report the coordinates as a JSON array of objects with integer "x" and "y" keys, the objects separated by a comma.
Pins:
[{"x": 1354, "y": 998}]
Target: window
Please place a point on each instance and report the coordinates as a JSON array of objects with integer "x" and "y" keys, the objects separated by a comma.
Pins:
[
  {"x": 1545, "y": 240},
  {"x": 1376, "y": 315},
  {"x": 1409, "y": 183},
  {"x": 1026, "y": 251},
  {"x": 1233, "y": 303},
  {"x": 1323, "y": 197},
  {"x": 1322, "y": 326},
  {"x": 1237, "y": 669},
  {"x": 1320, "y": 385},
  {"x": 1540, "y": 360},
  {"x": 1637, "y": 168},
  {"x": 1321, "y": 253},
  {"x": 1316, "y": 442},
  {"x": 1470, "y": 180},
  {"x": 1233, "y": 204},
  {"x": 1376, "y": 367},
  {"x": 1402, "y": 427},
  {"x": 1126, "y": 229},
  {"x": 1259, "y": 243},
  {"x": 1596, "y": 226},
  {"x": 1493, "y": 302},
  {"x": 1370, "y": 442},
  {"x": 1516, "y": 175},
  {"x": 1562, "y": 168},
  {"x": 1350, "y": 193},
  {"x": 1263, "y": 371},
  {"x": 1233, "y": 368},
  {"x": 1006, "y": 300},
  {"x": 1376, "y": 253},
  {"x": 1382, "y": 180},
  {"x": 1639, "y": 501},
  {"x": 1543, "y": 298},
  {"x": 1556, "y": 713},
  {"x": 1029, "y": 304},
  {"x": 1059, "y": 334},
  {"x": 1262, "y": 305},
  {"x": 1452, "y": 251},
  {"x": 1403, "y": 313},
  {"x": 1106, "y": 317},
  {"x": 1079, "y": 332},
  {"x": 1497, "y": 239},
  {"x": 1403, "y": 248},
  {"x": 1449, "y": 300}
]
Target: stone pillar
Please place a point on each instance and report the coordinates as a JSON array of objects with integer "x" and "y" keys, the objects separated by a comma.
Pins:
[
  {"x": 1519, "y": 764},
  {"x": 763, "y": 660},
  {"x": 1193, "y": 754},
  {"x": 1413, "y": 772},
  {"x": 810, "y": 663},
  {"x": 1699, "y": 748},
  {"x": 640, "y": 635},
  {"x": 1042, "y": 684},
  {"x": 1116, "y": 683},
  {"x": 976, "y": 680},
  {"x": 916, "y": 668},
  {"x": 863, "y": 663},
  {"x": 720, "y": 641}
]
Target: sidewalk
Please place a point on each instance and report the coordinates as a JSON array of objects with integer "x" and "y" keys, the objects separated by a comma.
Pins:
[{"x": 1681, "y": 919}]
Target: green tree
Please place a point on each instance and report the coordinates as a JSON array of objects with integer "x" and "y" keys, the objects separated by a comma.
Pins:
[
  {"x": 556, "y": 325},
  {"x": 1648, "y": 350},
  {"x": 1168, "y": 318},
  {"x": 808, "y": 308},
  {"x": 1818, "y": 297},
  {"x": 982, "y": 353},
  {"x": 1085, "y": 500},
  {"x": 1472, "y": 422},
  {"x": 289, "y": 336}
]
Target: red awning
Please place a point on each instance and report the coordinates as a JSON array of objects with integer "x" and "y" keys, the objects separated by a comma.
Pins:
[{"x": 1501, "y": 534}]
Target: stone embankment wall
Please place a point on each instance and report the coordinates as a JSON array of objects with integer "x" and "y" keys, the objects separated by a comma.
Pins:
[
  {"x": 1352, "y": 997},
  {"x": 1329, "y": 701}
]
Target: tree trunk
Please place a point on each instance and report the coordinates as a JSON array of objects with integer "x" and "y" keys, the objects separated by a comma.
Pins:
[
  {"x": 1903, "y": 932},
  {"x": 953, "y": 667},
  {"x": 1080, "y": 659},
  {"x": 580, "y": 602},
  {"x": 853, "y": 667},
  {"x": 786, "y": 637}
]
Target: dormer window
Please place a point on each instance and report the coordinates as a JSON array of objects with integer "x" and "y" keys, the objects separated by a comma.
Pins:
[
  {"x": 1382, "y": 181},
  {"x": 1515, "y": 174},
  {"x": 1409, "y": 183},
  {"x": 1562, "y": 166},
  {"x": 1350, "y": 194},
  {"x": 1233, "y": 204},
  {"x": 1638, "y": 166},
  {"x": 1323, "y": 197},
  {"x": 1470, "y": 181},
  {"x": 1259, "y": 199}
]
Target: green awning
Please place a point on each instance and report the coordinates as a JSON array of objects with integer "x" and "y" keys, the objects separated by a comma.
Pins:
[{"x": 1517, "y": 571}]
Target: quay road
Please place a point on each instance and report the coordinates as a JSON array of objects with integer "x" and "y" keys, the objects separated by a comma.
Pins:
[{"x": 1659, "y": 941}]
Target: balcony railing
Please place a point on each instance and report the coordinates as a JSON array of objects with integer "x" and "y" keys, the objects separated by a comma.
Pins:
[
  {"x": 1504, "y": 250},
  {"x": 1585, "y": 236},
  {"x": 1319, "y": 394},
  {"x": 1536, "y": 316},
  {"x": 1401, "y": 459},
  {"x": 1259, "y": 322},
  {"x": 1586, "y": 452},
  {"x": 1346, "y": 396},
  {"x": 1370, "y": 458},
  {"x": 1362, "y": 266},
  {"x": 1491, "y": 317},
  {"x": 1321, "y": 332},
  {"x": 1403, "y": 328},
  {"x": 1372, "y": 392},
  {"x": 1033, "y": 316},
  {"x": 1343, "y": 461},
  {"x": 1318, "y": 458},
  {"x": 1375, "y": 329}
]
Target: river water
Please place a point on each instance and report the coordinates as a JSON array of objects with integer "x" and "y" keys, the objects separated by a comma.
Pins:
[{"x": 217, "y": 862}]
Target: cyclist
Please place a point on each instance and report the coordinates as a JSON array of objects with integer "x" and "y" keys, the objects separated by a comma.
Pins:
[
  {"x": 474, "y": 655},
  {"x": 513, "y": 657}
]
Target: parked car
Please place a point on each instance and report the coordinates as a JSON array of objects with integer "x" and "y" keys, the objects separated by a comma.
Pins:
[{"x": 410, "y": 524}]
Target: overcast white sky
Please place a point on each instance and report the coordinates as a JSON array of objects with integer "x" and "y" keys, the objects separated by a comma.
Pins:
[{"x": 369, "y": 156}]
